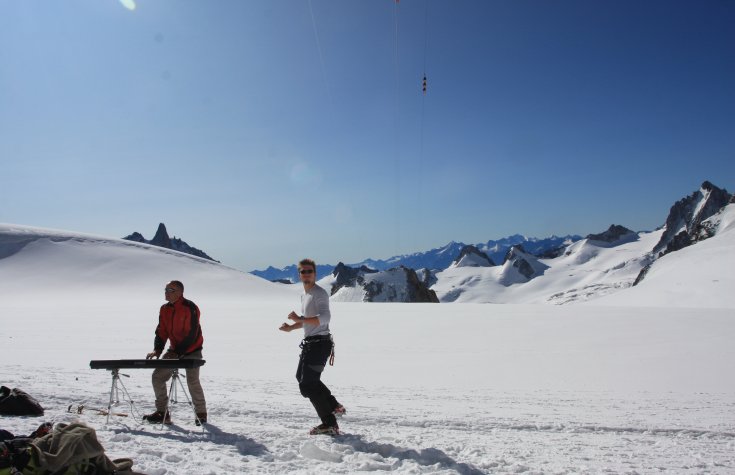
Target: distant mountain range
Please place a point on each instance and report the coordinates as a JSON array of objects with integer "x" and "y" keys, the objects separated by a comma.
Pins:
[
  {"x": 513, "y": 269},
  {"x": 688, "y": 261},
  {"x": 162, "y": 239},
  {"x": 434, "y": 259},
  {"x": 522, "y": 270}
]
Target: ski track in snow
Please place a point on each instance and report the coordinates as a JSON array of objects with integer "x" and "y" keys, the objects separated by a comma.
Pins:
[{"x": 259, "y": 426}]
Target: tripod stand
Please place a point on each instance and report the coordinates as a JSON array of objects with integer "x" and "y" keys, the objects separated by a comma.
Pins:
[
  {"x": 172, "y": 364},
  {"x": 173, "y": 396},
  {"x": 115, "y": 393}
]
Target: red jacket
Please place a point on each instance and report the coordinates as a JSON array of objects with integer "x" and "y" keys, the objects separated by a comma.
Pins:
[{"x": 178, "y": 322}]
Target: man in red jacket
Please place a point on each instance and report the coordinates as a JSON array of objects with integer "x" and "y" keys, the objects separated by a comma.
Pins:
[{"x": 178, "y": 322}]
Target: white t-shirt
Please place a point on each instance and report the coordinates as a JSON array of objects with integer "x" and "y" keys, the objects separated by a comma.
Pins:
[{"x": 315, "y": 303}]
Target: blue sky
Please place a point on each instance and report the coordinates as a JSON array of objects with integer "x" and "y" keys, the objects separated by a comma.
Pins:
[{"x": 265, "y": 131}]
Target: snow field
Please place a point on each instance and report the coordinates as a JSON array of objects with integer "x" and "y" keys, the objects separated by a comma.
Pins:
[
  {"x": 429, "y": 388},
  {"x": 259, "y": 427}
]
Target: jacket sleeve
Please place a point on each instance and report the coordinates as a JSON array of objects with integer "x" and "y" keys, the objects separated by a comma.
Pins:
[
  {"x": 161, "y": 336},
  {"x": 191, "y": 337}
]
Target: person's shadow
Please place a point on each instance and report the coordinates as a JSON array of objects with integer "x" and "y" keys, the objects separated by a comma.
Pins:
[
  {"x": 244, "y": 445},
  {"x": 429, "y": 456},
  {"x": 212, "y": 433}
]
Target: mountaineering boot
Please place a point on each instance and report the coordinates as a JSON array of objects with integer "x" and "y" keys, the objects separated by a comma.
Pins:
[
  {"x": 339, "y": 411},
  {"x": 325, "y": 430},
  {"x": 201, "y": 418},
  {"x": 158, "y": 417}
]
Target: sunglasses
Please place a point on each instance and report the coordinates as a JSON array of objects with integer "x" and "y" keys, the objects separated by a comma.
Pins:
[
  {"x": 306, "y": 271},
  {"x": 169, "y": 289}
]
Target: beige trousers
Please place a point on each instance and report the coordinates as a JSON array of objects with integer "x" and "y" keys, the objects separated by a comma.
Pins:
[{"x": 161, "y": 376}]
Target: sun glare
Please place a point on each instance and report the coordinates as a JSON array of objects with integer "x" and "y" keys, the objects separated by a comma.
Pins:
[{"x": 129, "y": 4}]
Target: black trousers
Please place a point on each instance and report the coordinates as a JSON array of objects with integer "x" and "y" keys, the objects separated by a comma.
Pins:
[{"x": 315, "y": 352}]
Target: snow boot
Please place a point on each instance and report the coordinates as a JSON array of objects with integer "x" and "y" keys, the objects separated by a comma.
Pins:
[
  {"x": 325, "y": 430},
  {"x": 158, "y": 417}
]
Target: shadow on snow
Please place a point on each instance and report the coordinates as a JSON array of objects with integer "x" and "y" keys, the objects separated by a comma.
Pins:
[
  {"x": 244, "y": 445},
  {"x": 428, "y": 456}
]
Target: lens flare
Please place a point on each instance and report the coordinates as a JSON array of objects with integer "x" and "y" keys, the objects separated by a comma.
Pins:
[
  {"x": 303, "y": 174},
  {"x": 129, "y": 4}
]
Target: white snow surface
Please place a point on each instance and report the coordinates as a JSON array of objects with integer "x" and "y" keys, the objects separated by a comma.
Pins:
[
  {"x": 461, "y": 388},
  {"x": 698, "y": 276},
  {"x": 587, "y": 270}
]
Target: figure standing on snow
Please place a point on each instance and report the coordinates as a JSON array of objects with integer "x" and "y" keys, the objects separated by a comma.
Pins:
[
  {"x": 178, "y": 322},
  {"x": 316, "y": 349}
]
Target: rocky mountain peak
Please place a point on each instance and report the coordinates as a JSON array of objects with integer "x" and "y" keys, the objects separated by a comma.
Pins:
[
  {"x": 687, "y": 214},
  {"x": 514, "y": 252},
  {"x": 346, "y": 275},
  {"x": 614, "y": 233},
  {"x": 136, "y": 236},
  {"x": 518, "y": 262},
  {"x": 470, "y": 256},
  {"x": 162, "y": 239},
  {"x": 400, "y": 284}
]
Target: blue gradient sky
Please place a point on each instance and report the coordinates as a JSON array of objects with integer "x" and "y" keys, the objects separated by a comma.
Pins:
[{"x": 265, "y": 131}]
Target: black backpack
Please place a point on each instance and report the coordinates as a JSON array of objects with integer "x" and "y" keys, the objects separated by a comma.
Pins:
[{"x": 16, "y": 402}]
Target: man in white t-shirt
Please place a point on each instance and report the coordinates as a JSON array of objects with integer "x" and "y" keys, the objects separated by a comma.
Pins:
[{"x": 316, "y": 349}]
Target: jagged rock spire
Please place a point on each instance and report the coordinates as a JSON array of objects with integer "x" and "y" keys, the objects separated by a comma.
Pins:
[{"x": 161, "y": 238}]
